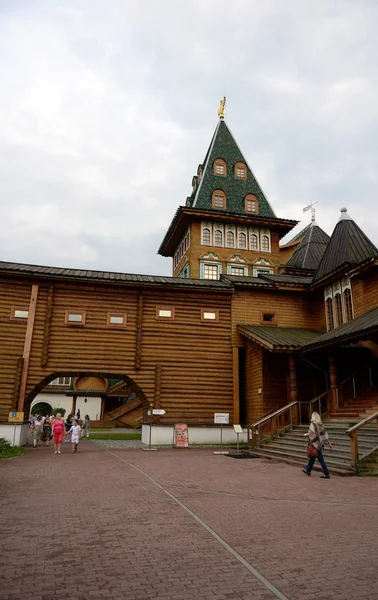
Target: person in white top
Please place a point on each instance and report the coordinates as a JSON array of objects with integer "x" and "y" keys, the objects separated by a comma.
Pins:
[{"x": 75, "y": 433}]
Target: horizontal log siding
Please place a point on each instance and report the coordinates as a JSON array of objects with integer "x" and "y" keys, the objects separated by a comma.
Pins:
[
  {"x": 365, "y": 294},
  {"x": 12, "y": 338},
  {"x": 292, "y": 309},
  {"x": 196, "y": 358},
  {"x": 275, "y": 384},
  {"x": 253, "y": 382}
]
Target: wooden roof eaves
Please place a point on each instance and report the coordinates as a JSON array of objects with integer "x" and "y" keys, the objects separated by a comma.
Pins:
[
  {"x": 181, "y": 220},
  {"x": 340, "y": 340},
  {"x": 269, "y": 346}
]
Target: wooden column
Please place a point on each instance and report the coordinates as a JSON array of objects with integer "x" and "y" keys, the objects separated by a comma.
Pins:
[
  {"x": 334, "y": 382},
  {"x": 293, "y": 385},
  {"x": 102, "y": 414},
  {"x": 73, "y": 408},
  {"x": 236, "y": 399},
  {"x": 27, "y": 346}
]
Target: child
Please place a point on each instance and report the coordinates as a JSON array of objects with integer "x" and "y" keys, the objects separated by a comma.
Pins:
[{"x": 75, "y": 435}]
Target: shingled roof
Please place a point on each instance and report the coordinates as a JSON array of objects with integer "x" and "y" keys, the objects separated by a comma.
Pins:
[
  {"x": 348, "y": 246},
  {"x": 223, "y": 145},
  {"x": 310, "y": 250},
  {"x": 278, "y": 338}
]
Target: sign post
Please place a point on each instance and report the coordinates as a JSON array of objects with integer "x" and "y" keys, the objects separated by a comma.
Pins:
[
  {"x": 15, "y": 417},
  {"x": 238, "y": 429},
  {"x": 221, "y": 419}
]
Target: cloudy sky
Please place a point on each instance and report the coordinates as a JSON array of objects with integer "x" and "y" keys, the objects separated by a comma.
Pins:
[{"x": 108, "y": 106}]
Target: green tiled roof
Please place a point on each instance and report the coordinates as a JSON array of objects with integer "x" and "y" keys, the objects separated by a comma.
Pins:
[
  {"x": 224, "y": 146},
  {"x": 278, "y": 338}
]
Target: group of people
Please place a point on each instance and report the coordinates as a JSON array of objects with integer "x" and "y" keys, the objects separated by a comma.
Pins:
[{"x": 47, "y": 428}]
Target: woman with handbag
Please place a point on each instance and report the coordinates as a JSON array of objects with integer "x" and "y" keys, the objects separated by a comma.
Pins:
[{"x": 317, "y": 437}]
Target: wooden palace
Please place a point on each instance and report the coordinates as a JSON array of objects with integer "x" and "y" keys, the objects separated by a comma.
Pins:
[{"x": 243, "y": 326}]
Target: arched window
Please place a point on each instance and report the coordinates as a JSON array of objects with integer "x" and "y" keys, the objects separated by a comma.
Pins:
[
  {"x": 230, "y": 239},
  {"x": 220, "y": 167},
  {"x": 348, "y": 306},
  {"x": 206, "y": 240},
  {"x": 265, "y": 243},
  {"x": 218, "y": 238},
  {"x": 240, "y": 170},
  {"x": 219, "y": 199},
  {"x": 339, "y": 309},
  {"x": 254, "y": 241},
  {"x": 251, "y": 204},
  {"x": 329, "y": 311},
  {"x": 242, "y": 240}
]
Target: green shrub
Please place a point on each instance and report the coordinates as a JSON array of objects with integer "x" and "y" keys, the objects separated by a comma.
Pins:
[
  {"x": 42, "y": 408},
  {"x": 7, "y": 451}
]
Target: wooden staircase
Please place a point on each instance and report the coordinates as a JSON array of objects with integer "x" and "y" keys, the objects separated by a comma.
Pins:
[
  {"x": 291, "y": 447},
  {"x": 360, "y": 407}
]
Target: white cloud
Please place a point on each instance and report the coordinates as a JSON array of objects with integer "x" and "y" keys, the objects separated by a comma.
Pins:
[{"x": 110, "y": 106}]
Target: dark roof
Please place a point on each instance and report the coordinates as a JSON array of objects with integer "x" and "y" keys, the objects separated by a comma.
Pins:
[
  {"x": 299, "y": 236},
  {"x": 348, "y": 246},
  {"x": 278, "y": 338},
  {"x": 109, "y": 277},
  {"x": 310, "y": 250},
  {"x": 288, "y": 279},
  {"x": 240, "y": 280},
  {"x": 363, "y": 325},
  {"x": 223, "y": 145}
]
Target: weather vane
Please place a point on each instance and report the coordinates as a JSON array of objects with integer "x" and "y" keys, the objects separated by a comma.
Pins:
[
  {"x": 221, "y": 108},
  {"x": 311, "y": 206}
]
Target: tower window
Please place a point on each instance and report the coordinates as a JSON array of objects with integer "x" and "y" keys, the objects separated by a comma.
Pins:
[
  {"x": 240, "y": 171},
  {"x": 210, "y": 271},
  {"x": 237, "y": 271},
  {"x": 230, "y": 239},
  {"x": 251, "y": 204},
  {"x": 206, "y": 239},
  {"x": 242, "y": 240},
  {"x": 339, "y": 309},
  {"x": 265, "y": 243},
  {"x": 254, "y": 242},
  {"x": 218, "y": 238},
  {"x": 329, "y": 312},
  {"x": 220, "y": 167},
  {"x": 219, "y": 199},
  {"x": 348, "y": 306}
]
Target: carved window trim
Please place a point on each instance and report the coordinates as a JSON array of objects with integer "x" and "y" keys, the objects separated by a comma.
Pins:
[
  {"x": 218, "y": 199},
  {"x": 218, "y": 164},
  {"x": 116, "y": 315},
  {"x": 251, "y": 204},
  {"x": 237, "y": 170},
  {"x": 71, "y": 323},
  {"x": 161, "y": 313}
]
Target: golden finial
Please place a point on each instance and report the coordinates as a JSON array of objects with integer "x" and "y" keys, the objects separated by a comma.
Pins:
[{"x": 221, "y": 108}]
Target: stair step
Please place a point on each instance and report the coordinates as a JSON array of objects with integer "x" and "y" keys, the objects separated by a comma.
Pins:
[{"x": 300, "y": 457}]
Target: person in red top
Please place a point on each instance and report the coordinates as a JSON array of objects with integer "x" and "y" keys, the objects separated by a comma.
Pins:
[{"x": 58, "y": 432}]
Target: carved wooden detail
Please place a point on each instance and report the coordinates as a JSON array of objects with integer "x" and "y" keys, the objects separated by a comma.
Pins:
[
  {"x": 17, "y": 382},
  {"x": 46, "y": 331}
]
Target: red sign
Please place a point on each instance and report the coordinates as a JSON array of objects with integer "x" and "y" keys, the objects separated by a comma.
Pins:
[{"x": 181, "y": 435}]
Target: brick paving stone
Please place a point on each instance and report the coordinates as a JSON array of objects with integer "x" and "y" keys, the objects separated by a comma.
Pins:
[{"x": 102, "y": 530}]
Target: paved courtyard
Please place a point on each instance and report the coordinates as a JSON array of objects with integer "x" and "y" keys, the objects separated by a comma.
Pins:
[{"x": 124, "y": 524}]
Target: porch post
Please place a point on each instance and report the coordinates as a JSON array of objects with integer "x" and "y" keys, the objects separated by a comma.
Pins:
[
  {"x": 293, "y": 384},
  {"x": 73, "y": 408},
  {"x": 102, "y": 415},
  {"x": 334, "y": 383},
  {"x": 236, "y": 400}
]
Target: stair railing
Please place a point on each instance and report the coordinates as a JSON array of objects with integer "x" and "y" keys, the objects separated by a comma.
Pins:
[
  {"x": 353, "y": 434},
  {"x": 272, "y": 423},
  {"x": 356, "y": 384}
]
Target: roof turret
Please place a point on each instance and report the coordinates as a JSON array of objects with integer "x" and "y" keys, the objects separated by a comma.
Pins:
[{"x": 310, "y": 250}]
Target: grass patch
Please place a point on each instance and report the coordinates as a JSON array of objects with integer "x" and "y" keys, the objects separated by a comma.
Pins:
[
  {"x": 114, "y": 436},
  {"x": 8, "y": 451}
]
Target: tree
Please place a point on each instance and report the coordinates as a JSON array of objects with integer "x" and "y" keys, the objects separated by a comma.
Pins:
[{"x": 41, "y": 408}]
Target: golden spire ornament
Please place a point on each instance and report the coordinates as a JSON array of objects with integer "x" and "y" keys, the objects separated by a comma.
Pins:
[{"x": 221, "y": 108}]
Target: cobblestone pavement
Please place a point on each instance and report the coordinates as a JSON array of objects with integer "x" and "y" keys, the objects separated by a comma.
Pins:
[
  {"x": 126, "y": 524},
  {"x": 119, "y": 444}
]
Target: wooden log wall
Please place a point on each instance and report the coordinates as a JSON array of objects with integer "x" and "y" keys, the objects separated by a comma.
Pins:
[
  {"x": 275, "y": 381},
  {"x": 365, "y": 294},
  {"x": 253, "y": 382},
  {"x": 184, "y": 364}
]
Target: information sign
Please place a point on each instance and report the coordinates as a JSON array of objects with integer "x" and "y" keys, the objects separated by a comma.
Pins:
[
  {"x": 238, "y": 429},
  {"x": 221, "y": 418},
  {"x": 16, "y": 417},
  {"x": 181, "y": 435}
]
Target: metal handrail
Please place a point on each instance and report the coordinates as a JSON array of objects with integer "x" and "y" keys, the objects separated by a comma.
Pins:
[
  {"x": 353, "y": 434},
  {"x": 271, "y": 415}
]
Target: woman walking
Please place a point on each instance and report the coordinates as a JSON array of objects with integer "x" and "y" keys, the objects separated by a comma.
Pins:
[
  {"x": 86, "y": 426},
  {"x": 37, "y": 427},
  {"x": 317, "y": 437},
  {"x": 46, "y": 434},
  {"x": 58, "y": 432}
]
